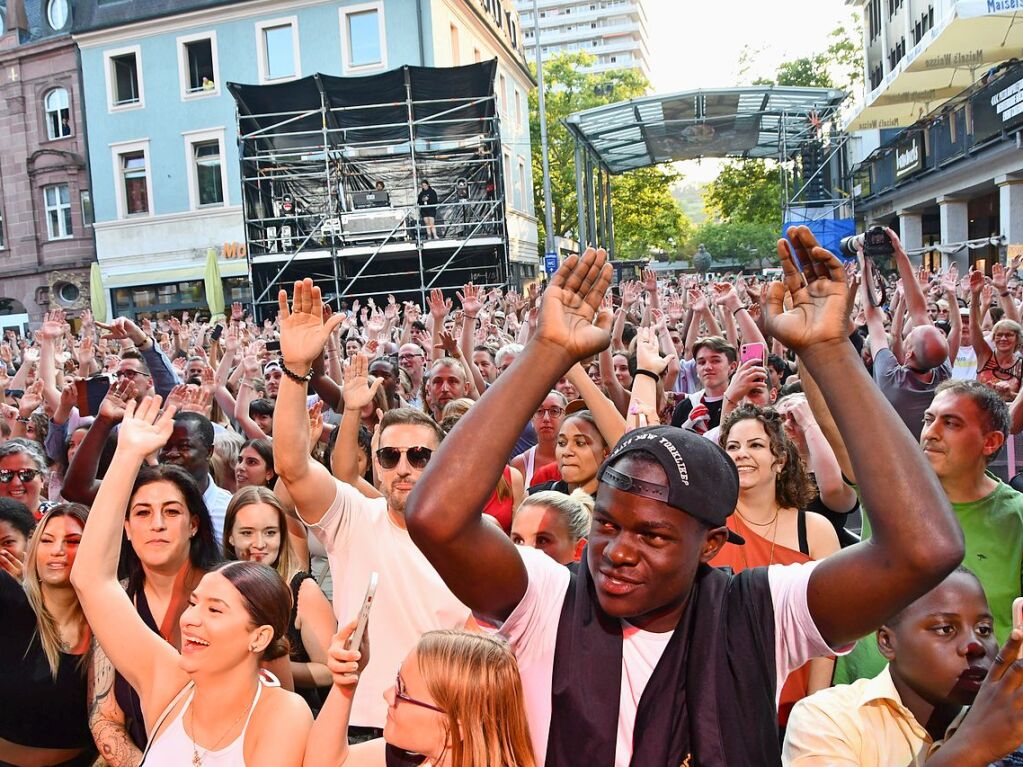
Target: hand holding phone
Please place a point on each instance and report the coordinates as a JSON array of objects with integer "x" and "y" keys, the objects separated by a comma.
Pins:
[
  {"x": 355, "y": 640},
  {"x": 756, "y": 352}
]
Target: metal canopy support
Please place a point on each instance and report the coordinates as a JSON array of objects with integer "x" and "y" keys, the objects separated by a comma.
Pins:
[
  {"x": 591, "y": 221},
  {"x": 609, "y": 241},
  {"x": 599, "y": 212},
  {"x": 580, "y": 195}
]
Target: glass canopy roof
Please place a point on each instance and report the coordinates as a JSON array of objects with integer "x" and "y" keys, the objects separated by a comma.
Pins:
[{"x": 728, "y": 122}]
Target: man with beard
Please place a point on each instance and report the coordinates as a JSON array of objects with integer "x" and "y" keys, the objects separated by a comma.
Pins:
[
  {"x": 445, "y": 382},
  {"x": 362, "y": 535}
]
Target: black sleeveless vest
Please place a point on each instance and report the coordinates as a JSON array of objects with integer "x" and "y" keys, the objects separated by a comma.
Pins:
[{"x": 710, "y": 701}]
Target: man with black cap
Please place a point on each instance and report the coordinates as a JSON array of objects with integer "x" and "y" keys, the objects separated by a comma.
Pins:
[{"x": 645, "y": 655}]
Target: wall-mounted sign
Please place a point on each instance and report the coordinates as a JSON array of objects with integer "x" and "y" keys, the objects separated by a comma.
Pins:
[
  {"x": 235, "y": 250},
  {"x": 998, "y": 107},
  {"x": 909, "y": 157}
]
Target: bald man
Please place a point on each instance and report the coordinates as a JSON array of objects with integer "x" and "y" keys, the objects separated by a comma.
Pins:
[{"x": 909, "y": 387}]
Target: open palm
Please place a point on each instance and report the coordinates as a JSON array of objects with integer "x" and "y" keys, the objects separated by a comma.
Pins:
[
  {"x": 819, "y": 295},
  {"x": 145, "y": 429},
  {"x": 571, "y": 303},
  {"x": 303, "y": 330},
  {"x": 359, "y": 391}
]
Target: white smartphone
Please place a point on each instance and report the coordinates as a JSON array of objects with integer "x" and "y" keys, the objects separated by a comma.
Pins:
[{"x": 360, "y": 628}]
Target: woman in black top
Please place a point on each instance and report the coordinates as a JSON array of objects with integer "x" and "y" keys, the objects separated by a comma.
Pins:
[
  {"x": 428, "y": 208},
  {"x": 44, "y": 642}
]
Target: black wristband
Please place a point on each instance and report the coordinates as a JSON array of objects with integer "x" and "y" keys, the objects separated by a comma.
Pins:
[
  {"x": 295, "y": 376},
  {"x": 650, "y": 373}
]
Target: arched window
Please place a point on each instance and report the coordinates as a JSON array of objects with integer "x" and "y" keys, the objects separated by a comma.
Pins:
[
  {"x": 57, "y": 13},
  {"x": 58, "y": 114}
]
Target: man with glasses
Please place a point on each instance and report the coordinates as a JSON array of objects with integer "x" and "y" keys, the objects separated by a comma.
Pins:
[
  {"x": 412, "y": 359},
  {"x": 148, "y": 368},
  {"x": 362, "y": 530}
]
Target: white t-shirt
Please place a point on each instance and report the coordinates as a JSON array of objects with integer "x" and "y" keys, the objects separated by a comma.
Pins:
[
  {"x": 411, "y": 599},
  {"x": 217, "y": 499},
  {"x": 532, "y": 630},
  {"x": 965, "y": 368}
]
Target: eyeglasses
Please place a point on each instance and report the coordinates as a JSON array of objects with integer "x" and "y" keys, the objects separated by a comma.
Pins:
[
  {"x": 552, "y": 412},
  {"x": 130, "y": 374},
  {"x": 418, "y": 457},
  {"x": 406, "y": 357},
  {"x": 400, "y": 694},
  {"x": 25, "y": 475}
]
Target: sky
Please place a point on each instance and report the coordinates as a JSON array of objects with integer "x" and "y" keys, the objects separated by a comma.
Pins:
[{"x": 698, "y": 44}]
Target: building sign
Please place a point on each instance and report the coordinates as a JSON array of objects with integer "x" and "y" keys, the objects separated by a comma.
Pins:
[
  {"x": 235, "y": 250},
  {"x": 972, "y": 8},
  {"x": 909, "y": 157},
  {"x": 503, "y": 19},
  {"x": 998, "y": 107}
]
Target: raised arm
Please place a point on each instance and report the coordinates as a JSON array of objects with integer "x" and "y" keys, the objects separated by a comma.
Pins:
[
  {"x": 80, "y": 480},
  {"x": 444, "y": 513},
  {"x": 303, "y": 336},
  {"x": 471, "y": 299},
  {"x": 610, "y": 422},
  {"x": 148, "y": 663},
  {"x": 980, "y": 344},
  {"x": 916, "y": 539},
  {"x": 1000, "y": 279},
  {"x": 916, "y": 302},
  {"x": 358, "y": 393}
]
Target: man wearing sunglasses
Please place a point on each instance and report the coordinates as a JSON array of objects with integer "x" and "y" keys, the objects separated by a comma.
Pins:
[
  {"x": 645, "y": 655},
  {"x": 362, "y": 528}
]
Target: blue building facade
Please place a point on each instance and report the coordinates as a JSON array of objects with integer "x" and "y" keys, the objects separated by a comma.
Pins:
[{"x": 163, "y": 145}]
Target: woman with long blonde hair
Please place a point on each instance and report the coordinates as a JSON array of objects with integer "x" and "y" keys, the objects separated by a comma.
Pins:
[
  {"x": 457, "y": 701},
  {"x": 44, "y": 643}
]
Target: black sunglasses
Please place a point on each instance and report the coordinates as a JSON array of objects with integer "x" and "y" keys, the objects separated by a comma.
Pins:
[
  {"x": 418, "y": 457},
  {"x": 25, "y": 475}
]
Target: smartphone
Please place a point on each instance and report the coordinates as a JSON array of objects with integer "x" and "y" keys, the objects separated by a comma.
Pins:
[
  {"x": 273, "y": 346},
  {"x": 355, "y": 640},
  {"x": 756, "y": 352},
  {"x": 90, "y": 393},
  {"x": 1017, "y": 617},
  {"x": 217, "y": 331}
]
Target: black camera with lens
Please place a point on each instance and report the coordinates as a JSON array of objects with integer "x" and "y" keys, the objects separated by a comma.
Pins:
[{"x": 875, "y": 243}]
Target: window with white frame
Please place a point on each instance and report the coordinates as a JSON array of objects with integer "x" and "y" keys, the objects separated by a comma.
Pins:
[
  {"x": 522, "y": 183},
  {"x": 518, "y": 108},
  {"x": 362, "y": 31},
  {"x": 131, "y": 171},
  {"x": 197, "y": 61},
  {"x": 277, "y": 49},
  {"x": 58, "y": 114},
  {"x": 124, "y": 78},
  {"x": 57, "y": 13},
  {"x": 501, "y": 92},
  {"x": 57, "y": 201},
  {"x": 509, "y": 183},
  {"x": 207, "y": 177}
]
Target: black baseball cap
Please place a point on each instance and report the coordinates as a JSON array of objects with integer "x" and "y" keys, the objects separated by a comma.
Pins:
[{"x": 702, "y": 480}]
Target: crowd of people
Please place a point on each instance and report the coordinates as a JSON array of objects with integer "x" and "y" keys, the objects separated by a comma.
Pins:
[{"x": 704, "y": 520}]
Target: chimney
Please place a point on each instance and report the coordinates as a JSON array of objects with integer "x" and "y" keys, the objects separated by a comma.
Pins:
[{"x": 16, "y": 18}]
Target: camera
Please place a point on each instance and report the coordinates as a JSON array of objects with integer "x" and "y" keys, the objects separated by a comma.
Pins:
[{"x": 875, "y": 243}]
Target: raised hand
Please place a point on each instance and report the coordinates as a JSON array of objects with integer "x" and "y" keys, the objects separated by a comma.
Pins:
[
  {"x": 470, "y": 298},
  {"x": 723, "y": 292},
  {"x": 198, "y": 400},
  {"x": 237, "y": 312},
  {"x": 819, "y": 313},
  {"x": 315, "y": 424},
  {"x": 32, "y": 399},
  {"x": 648, "y": 353},
  {"x": 987, "y": 295},
  {"x": 303, "y": 331},
  {"x": 121, "y": 329},
  {"x": 631, "y": 291},
  {"x": 177, "y": 396},
  {"x": 650, "y": 280},
  {"x": 748, "y": 376},
  {"x": 976, "y": 281},
  {"x": 346, "y": 665},
  {"x": 53, "y": 325},
  {"x": 120, "y": 393},
  {"x": 439, "y": 306},
  {"x": 448, "y": 343},
  {"x": 391, "y": 310},
  {"x": 570, "y": 319},
  {"x": 697, "y": 301},
  {"x": 145, "y": 429},
  {"x": 358, "y": 389},
  {"x": 999, "y": 278}
]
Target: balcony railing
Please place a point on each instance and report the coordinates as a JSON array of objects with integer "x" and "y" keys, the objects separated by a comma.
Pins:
[{"x": 982, "y": 115}]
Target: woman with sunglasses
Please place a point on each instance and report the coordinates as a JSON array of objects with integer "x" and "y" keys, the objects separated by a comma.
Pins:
[
  {"x": 456, "y": 702},
  {"x": 207, "y": 704},
  {"x": 23, "y": 474},
  {"x": 546, "y": 422},
  {"x": 44, "y": 644}
]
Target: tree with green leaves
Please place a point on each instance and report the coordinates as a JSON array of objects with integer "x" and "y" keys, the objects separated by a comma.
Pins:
[
  {"x": 747, "y": 190},
  {"x": 646, "y": 215},
  {"x": 744, "y": 242}
]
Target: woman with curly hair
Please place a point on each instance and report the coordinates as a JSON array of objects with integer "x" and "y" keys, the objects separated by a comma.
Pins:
[{"x": 774, "y": 490}]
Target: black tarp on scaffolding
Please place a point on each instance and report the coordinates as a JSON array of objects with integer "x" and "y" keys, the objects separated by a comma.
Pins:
[{"x": 312, "y": 149}]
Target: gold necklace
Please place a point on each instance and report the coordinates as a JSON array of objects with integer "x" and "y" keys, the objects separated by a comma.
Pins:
[
  {"x": 777, "y": 511},
  {"x": 196, "y": 759}
]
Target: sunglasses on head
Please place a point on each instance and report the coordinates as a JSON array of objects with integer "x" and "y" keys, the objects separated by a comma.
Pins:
[
  {"x": 25, "y": 475},
  {"x": 417, "y": 457}
]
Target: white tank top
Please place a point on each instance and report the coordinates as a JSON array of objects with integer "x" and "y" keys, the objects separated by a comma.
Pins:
[
  {"x": 174, "y": 748},
  {"x": 530, "y": 467}
]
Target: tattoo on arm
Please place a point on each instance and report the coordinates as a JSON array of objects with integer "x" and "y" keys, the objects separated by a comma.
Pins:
[{"x": 106, "y": 720}]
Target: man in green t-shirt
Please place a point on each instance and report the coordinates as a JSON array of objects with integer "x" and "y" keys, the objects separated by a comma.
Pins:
[{"x": 964, "y": 429}]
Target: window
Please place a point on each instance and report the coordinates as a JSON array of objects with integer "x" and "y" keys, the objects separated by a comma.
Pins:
[
  {"x": 277, "y": 48},
  {"x": 57, "y": 13},
  {"x": 197, "y": 64},
  {"x": 2, "y": 27},
  {"x": 57, "y": 199},
  {"x": 362, "y": 30},
  {"x": 522, "y": 185},
  {"x": 58, "y": 114},
  {"x": 131, "y": 174},
  {"x": 456, "y": 58},
  {"x": 508, "y": 183},
  {"x": 88, "y": 219},
  {"x": 501, "y": 92},
  {"x": 518, "y": 108},
  {"x": 206, "y": 168},
  {"x": 124, "y": 78}
]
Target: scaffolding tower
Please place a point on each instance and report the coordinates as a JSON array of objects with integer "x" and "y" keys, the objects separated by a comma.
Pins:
[{"x": 332, "y": 169}]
